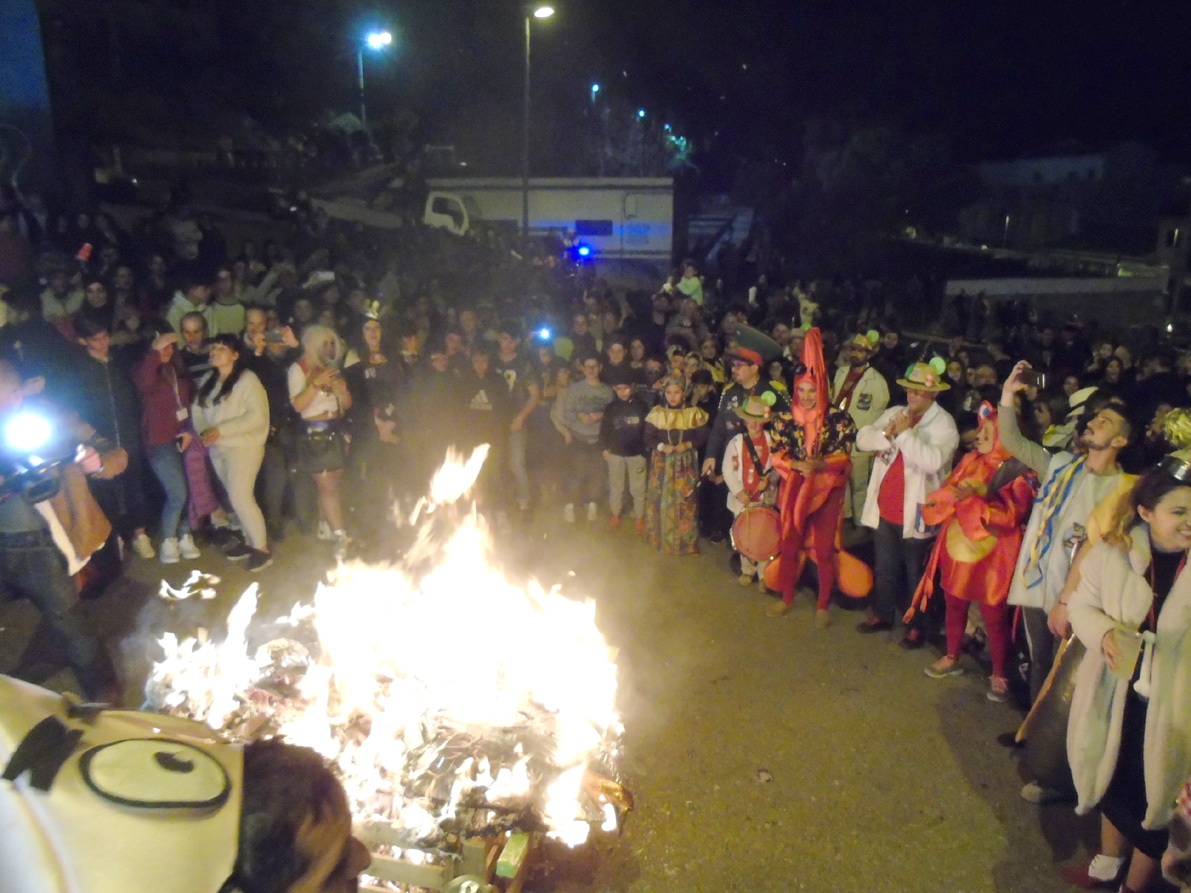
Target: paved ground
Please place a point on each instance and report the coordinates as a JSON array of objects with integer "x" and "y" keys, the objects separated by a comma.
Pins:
[{"x": 764, "y": 755}]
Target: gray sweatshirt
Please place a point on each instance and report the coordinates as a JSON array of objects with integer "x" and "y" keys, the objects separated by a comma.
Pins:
[{"x": 585, "y": 398}]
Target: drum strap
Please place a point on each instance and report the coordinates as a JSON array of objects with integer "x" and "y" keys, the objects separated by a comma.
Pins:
[{"x": 757, "y": 464}]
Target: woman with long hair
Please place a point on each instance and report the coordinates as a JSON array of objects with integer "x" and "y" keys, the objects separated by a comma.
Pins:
[
  {"x": 674, "y": 433},
  {"x": 1129, "y": 732},
  {"x": 166, "y": 393},
  {"x": 377, "y": 384},
  {"x": 320, "y": 396},
  {"x": 231, "y": 416}
]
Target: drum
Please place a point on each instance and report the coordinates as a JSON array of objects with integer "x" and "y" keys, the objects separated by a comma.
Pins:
[{"x": 757, "y": 532}]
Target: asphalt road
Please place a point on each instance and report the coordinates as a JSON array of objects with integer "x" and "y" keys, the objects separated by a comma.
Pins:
[{"x": 764, "y": 755}]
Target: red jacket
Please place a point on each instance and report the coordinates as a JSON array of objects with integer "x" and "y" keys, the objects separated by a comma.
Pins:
[{"x": 164, "y": 388}]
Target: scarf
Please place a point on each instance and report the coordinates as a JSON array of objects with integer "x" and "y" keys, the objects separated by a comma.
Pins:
[{"x": 1050, "y": 501}]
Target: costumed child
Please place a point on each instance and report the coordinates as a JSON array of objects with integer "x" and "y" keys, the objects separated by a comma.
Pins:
[
  {"x": 981, "y": 510},
  {"x": 749, "y": 474},
  {"x": 813, "y": 446}
]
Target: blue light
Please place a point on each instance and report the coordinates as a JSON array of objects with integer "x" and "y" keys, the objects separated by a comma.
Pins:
[
  {"x": 595, "y": 88},
  {"x": 543, "y": 333},
  {"x": 640, "y": 113},
  {"x": 27, "y": 432},
  {"x": 584, "y": 251},
  {"x": 666, "y": 128}
]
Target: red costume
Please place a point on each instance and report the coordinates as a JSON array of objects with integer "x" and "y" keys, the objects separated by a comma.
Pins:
[
  {"x": 811, "y": 505},
  {"x": 981, "y": 511}
]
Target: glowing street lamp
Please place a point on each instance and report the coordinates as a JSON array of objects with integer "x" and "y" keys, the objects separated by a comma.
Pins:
[
  {"x": 640, "y": 113},
  {"x": 374, "y": 40},
  {"x": 539, "y": 12},
  {"x": 595, "y": 88}
]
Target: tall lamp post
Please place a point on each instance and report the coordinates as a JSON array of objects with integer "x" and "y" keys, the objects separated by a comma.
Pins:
[
  {"x": 531, "y": 12},
  {"x": 375, "y": 40}
]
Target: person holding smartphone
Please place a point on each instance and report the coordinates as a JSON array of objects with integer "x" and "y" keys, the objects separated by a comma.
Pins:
[{"x": 166, "y": 392}]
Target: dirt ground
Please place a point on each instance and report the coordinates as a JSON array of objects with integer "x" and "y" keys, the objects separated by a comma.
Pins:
[{"x": 764, "y": 755}]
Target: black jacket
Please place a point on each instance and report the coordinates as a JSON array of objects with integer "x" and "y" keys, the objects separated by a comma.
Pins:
[{"x": 622, "y": 430}]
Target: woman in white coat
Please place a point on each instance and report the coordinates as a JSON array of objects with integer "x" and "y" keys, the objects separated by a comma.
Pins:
[
  {"x": 1129, "y": 734},
  {"x": 231, "y": 414}
]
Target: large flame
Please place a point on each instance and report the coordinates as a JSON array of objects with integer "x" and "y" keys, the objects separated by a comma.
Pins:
[{"x": 434, "y": 685}]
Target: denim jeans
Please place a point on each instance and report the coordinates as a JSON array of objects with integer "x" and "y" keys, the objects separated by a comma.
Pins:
[
  {"x": 166, "y": 462},
  {"x": 517, "y": 445},
  {"x": 897, "y": 568},
  {"x": 31, "y": 567}
]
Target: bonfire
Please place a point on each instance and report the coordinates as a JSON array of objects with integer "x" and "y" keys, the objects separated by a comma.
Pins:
[{"x": 454, "y": 703}]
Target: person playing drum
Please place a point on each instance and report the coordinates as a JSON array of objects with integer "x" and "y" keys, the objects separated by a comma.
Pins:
[
  {"x": 813, "y": 447},
  {"x": 751, "y": 480}
]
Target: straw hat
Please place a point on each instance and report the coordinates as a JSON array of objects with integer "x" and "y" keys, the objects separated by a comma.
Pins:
[
  {"x": 926, "y": 377},
  {"x": 755, "y": 408}
]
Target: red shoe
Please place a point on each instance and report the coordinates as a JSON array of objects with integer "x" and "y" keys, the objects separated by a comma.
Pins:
[
  {"x": 639, "y": 526},
  {"x": 614, "y": 522},
  {"x": 1077, "y": 876}
]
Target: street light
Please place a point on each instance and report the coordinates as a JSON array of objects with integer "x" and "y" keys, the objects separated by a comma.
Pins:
[
  {"x": 531, "y": 12},
  {"x": 595, "y": 88},
  {"x": 375, "y": 40}
]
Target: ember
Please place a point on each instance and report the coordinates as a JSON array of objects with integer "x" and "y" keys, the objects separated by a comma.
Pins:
[{"x": 455, "y": 704}]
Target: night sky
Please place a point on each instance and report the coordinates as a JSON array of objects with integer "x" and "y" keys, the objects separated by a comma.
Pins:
[{"x": 999, "y": 78}]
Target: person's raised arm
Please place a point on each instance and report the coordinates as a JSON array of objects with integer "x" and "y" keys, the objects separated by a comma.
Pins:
[{"x": 1034, "y": 455}]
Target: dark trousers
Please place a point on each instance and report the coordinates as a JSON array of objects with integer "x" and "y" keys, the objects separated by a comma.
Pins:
[
  {"x": 1043, "y": 647},
  {"x": 897, "y": 568},
  {"x": 270, "y": 483},
  {"x": 31, "y": 567}
]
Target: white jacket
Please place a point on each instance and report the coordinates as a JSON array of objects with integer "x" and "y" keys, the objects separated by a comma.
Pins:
[
  {"x": 1113, "y": 592},
  {"x": 870, "y": 397},
  {"x": 242, "y": 416},
  {"x": 733, "y": 467},
  {"x": 926, "y": 450}
]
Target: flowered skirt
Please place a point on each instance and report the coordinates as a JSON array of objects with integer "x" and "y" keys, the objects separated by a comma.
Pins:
[{"x": 671, "y": 509}]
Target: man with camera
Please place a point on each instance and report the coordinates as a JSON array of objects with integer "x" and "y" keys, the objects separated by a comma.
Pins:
[{"x": 50, "y": 525}]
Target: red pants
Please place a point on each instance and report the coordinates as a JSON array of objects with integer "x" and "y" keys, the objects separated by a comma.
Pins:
[
  {"x": 996, "y": 624},
  {"x": 824, "y": 522}
]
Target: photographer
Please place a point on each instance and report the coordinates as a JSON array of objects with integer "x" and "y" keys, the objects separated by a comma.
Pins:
[{"x": 44, "y": 538}]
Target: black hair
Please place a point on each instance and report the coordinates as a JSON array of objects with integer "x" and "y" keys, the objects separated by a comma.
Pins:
[
  {"x": 208, "y": 386},
  {"x": 90, "y": 326},
  {"x": 285, "y": 787}
]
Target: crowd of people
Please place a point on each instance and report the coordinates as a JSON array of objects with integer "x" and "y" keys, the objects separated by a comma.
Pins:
[{"x": 1020, "y": 463}]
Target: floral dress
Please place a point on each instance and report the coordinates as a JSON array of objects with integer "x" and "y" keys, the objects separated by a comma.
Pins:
[{"x": 671, "y": 510}]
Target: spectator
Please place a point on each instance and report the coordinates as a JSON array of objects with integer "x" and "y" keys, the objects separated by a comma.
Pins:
[
  {"x": 105, "y": 398},
  {"x": 980, "y": 511},
  {"x": 914, "y": 444},
  {"x": 518, "y": 372},
  {"x": 674, "y": 432},
  {"x": 583, "y": 412},
  {"x": 227, "y": 311},
  {"x": 63, "y": 295},
  {"x": 320, "y": 396},
  {"x": 166, "y": 394},
  {"x": 1077, "y": 493},
  {"x": 231, "y": 415},
  {"x": 622, "y": 436},
  {"x": 749, "y": 474},
  {"x": 194, "y": 296},
  {"x": 862, "y": 392},
  {"x": 36, "y": 565},
  {"x": 1128, "y": 713},
  {"x": 813, "y": 444},
  {"x": 487, "y": 408}
]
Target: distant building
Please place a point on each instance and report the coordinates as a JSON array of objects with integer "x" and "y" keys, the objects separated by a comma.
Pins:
[{"x": 1034, "y": 202}]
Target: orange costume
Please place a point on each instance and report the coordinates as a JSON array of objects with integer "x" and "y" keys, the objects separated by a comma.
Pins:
[
  {"x": 981, "y": 511},
  {"x": 811, "y": 504}
]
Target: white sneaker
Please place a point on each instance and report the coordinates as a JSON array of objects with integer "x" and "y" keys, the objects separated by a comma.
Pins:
[
  {"x": 324, "y": 532},
  {"x": 188, "y": 549},
  {"x": 341, "y": 541},
  {"x": 592, "y": 511},
  {"x": 568, "y": 513},
  {"x": 169, "y": 551},
  {"x": 142, "y": 546}
]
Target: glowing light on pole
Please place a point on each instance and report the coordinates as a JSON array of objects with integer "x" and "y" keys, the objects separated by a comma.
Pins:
[
  {"x": 540, "y": 13},
  {"x": 374, "y": 40}
]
